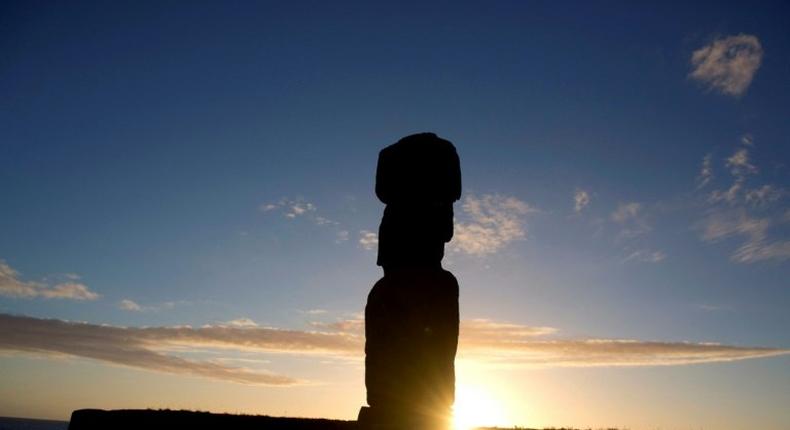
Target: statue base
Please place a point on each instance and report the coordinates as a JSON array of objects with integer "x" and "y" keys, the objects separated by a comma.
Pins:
[{"x": 378, "y": 418}]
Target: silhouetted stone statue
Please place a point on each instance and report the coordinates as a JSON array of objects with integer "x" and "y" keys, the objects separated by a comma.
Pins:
[{"x": 411, "y": 317}]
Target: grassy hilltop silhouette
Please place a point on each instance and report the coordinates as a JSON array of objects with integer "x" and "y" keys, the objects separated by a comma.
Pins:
[{"x": 150, "y": 419}]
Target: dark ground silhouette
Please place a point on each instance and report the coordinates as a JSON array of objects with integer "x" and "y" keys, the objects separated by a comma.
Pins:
[{"x": 149, "y": 419}]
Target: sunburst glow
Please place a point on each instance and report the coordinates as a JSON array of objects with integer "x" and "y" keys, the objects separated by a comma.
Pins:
[{"x": 476, "y": 407}]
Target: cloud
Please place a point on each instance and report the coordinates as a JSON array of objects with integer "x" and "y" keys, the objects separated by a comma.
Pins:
[
  {"x": 747, "y": 139},
  {"x": 292, "y": 208},
  {"x": 482, "y": 328},
  {"x": 156, "y": 348},
  {"x": 130, "y": 305},
  {"x": 580, "y": 200},
  {"x": 632, "y": 220},
  {"x": 728, "y": 64},
  {"x": 749, "y": 213},
  {"x": 740, "y": 168},
  {"x": 756, "y": 247},
  {"x": 730, "y": 195},
  {"x": 646, "y": 256},
  {"x": 751, "y": 251},
  {"x": 706, "y": 172},
  {"x": 626, "y": 211},
  {"x": 300, "y": 208},
  {"x": 714, "y": 308},
  {"x": 721, "y": 225},
  {"x": 368, "y": 240},
  {"x": 12, "y": 286},
  {"x": 491, "y": 221},
  {"x": 739, "y": 163},
  {"x": 764, "y": 195},
  {"x": 342, "y": 236},
  {"x": 620, "y": 352},
  {"x": 240, "y": 322}
]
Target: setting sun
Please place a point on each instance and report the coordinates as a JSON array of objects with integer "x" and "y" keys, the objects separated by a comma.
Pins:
[{"x": 476, "y": 407}]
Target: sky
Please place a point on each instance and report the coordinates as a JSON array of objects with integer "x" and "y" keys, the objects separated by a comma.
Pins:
[{"x": 188, "y": 217}]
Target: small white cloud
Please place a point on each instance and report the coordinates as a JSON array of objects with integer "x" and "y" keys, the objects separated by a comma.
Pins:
[
  {"x": 706, "y": 172},
  {"x": 730, "y": 195},
  {"x": 747, "y": 139},
  {"x": 130, "y": 305},
  {"x": 302, "y": 209},
  {"x": 292, "y": 208},
  {"x": 764, "y": 195},
  {"x": 740, "y": 168},
  {"x": 626, "y": 211},
  {"x": 581, "y": 199},
  {"x": 632, "y": 220},
  {"x": 368, "y": 240},
  {"x": 714, "y": 308},
  {"x": 739, "y": 163},
  {"x": 315, "y": 311},
  {"x": 12, "y": 286},
  {"x": 493, "y": 222},
  {"x": 241, "y": 323},
  {"x": 646, "y": 256},
  {"x": 728, "y": 64},
  {"x": 319, "y": 220},
  {"x": 298, "y": 208},
  {"x": 69, "y": 290}
]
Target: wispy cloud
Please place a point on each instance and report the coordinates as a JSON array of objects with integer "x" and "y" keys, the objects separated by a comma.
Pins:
[
  {"x": 292, "y": 208},
  {"x": 581, "y": 199},
  {"x": 719, "y": 225},
  {"x": 632, "y": 220},
  {"x": 706, "y": 171},
  {"x": 740, "y": 167},
  {"x": 130, "y": 305},
  {"x": 617, "y": 352},
  {"x": 739, "y": 163},
  {"x": 764, "y": 195},
  {"x": 133, "y": 306},
  {"x": 646, "y": 256},
  {"x": 626, "y": 211},
  {"x": 707, "y": 307},
  {"x": 489, "y": 222},
  {"x": 728, "y": 64},
  {"x": 12, "y": 286},
  {"x": 157, "y": 348},
  {"x": 368, "y": 240},
  {"x": 240, "y": 322},
  {"x": 745, "y": 213}
]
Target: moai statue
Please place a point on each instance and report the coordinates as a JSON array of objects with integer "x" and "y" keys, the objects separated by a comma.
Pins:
[{"x": 411, "y": 317}]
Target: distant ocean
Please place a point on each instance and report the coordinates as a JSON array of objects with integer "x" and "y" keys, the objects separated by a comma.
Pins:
[{"x": 30, "y": 424}]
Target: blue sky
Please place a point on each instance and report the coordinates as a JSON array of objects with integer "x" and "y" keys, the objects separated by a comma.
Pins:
[{"x": 625, "y": 177}]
